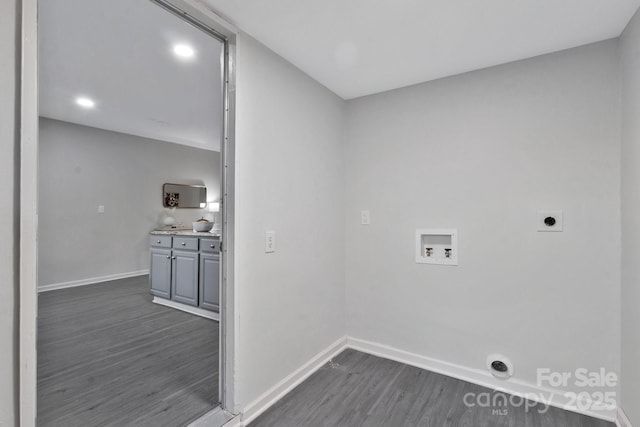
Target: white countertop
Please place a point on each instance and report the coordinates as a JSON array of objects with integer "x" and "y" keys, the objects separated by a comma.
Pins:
[{"x": 184, "y": 232}]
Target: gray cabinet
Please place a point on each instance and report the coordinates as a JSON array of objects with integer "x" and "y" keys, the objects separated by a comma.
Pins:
[
  {"x": 184, "y": 277},
  {"x": 186, "y": 269},
  {"x": 209, "y": 297},
  {"x": 209, "y": 279},
  {"x": 160, "y": 272}
]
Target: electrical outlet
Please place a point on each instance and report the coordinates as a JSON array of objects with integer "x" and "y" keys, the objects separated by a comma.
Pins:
[
  {"x": 269, "y": 241},
  {"x": 100, "y": 209},
  {"x": 365, "y": 218}
]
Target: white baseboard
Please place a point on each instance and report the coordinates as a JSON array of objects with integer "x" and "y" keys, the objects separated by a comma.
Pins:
[
  {"x": 622, "y": 420},
  {"x": 476, "y": 376},
  {"x": 271, "y": 396},
  {"x": 91, "y": 281},
  {"x": 187, "y": 308},
  {"x": 234, "y": 422}
]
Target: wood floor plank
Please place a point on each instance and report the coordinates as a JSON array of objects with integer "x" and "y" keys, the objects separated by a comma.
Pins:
[
  {"x": 360, "y": 390},
  {"x": 108, "y": 356}
]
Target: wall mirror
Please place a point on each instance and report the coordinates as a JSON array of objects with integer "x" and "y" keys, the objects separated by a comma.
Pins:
[{"x": 184, "y": 196}]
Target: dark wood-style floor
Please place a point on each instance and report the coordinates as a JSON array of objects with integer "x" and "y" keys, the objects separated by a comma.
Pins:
[
  {"x": 358, "y": 389},
  {"x": 108, "y": 356}
]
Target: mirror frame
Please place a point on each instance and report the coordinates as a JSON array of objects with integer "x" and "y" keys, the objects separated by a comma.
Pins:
[{"x": 167, "y": 201}]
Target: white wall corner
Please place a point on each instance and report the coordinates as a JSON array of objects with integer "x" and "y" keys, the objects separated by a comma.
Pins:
[
  {"x": 278, "y": 391},
  {"x": 622, "y": 420}
]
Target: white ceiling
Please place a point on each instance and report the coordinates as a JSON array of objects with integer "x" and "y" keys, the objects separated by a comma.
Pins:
[
  {"x": 119, "y": 53},
  {"x": 360, "y": 47}
]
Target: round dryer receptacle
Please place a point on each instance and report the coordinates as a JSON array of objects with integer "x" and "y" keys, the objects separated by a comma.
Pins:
[{"x": 500, "y": 366}]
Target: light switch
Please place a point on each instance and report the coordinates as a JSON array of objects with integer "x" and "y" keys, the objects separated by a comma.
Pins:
[
  {"x": 270, "y": 241},
  {"x": 100, "y": 208},
  {"x": 365, "y": 218}
]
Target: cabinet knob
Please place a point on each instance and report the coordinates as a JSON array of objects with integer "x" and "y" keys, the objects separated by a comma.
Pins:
[
  {"x": 213, "y": 246},
  {"x": 183, "y": 244},
  {"x": 173, "y": 257},
  {"x": 158, "y": 242}
]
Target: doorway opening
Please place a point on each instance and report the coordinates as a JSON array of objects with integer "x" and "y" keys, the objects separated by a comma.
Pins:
[{"x": 94, "y": 302}]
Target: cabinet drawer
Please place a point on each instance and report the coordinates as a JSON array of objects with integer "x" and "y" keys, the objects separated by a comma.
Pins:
[
  {"x": 160, "y": 241},
  {"x": 187, "y": 243},
  {"x": 210, "y": 245}
]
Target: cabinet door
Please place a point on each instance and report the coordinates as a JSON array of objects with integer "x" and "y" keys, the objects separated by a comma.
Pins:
[
  {"x": 160, "y": 272},
  {"x": 184, "y": 283},
  {"x": 210, "y": 281}
]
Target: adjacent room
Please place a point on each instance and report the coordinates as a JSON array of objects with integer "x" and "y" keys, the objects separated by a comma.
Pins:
[
  {"x": 436, "y": 214},
  {"x": 128, "y": 249}
]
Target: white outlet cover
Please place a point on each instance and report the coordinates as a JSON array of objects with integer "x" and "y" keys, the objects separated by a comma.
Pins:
[
  {"x": 269, "y": 242},
  {"x": 365, "y": 217},
  {"x": 557, "y": 215}
]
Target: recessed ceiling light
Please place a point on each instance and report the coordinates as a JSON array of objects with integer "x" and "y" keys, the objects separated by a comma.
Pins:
[
  {"x": 85, "y": 102},
  {"x": 183, "y": 51}
]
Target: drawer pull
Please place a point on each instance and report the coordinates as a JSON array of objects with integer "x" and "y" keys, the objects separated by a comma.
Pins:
[
  {"x": 158, "y": 242},
  {"x": 183, "y": 244},
  {"x": 213, "y": 246}
]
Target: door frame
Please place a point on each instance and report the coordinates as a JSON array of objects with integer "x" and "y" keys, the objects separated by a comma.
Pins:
[{"x": 207, "y": 20}]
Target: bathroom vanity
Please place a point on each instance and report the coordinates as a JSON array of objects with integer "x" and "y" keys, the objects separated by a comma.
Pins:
[{"x": 185, "y": 271}]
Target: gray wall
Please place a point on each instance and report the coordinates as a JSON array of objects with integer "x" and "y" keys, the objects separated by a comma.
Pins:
[
  {"x": 83, "y": 167},
  {"x": 9, "y": 214},
  {"x": 289, "y": 175},
  {"x": 483, "y": 152},
  {"x": 630, "y": 70}
]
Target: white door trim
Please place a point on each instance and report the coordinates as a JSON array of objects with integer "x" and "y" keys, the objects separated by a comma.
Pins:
[
  {"x": 28, "y": 212},
  {"x": 207, "y": 19}
]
